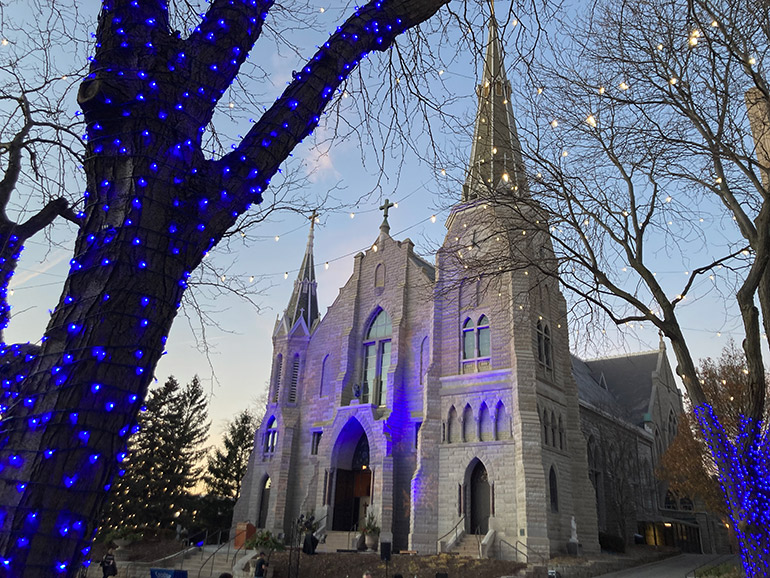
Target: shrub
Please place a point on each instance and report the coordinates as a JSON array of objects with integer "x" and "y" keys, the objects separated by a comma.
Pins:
[{"x": 612, "y": 543}]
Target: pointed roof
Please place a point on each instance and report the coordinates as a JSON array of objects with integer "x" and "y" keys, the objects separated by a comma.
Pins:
[
  {"x": 304, "y": 301},
  {"x": 495, "y": 161}
]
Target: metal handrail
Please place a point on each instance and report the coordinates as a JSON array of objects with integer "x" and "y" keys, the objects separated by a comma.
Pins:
[
  {"x": 538, "y": 554},
  {"x": 516, "y": 549},
  {"x": 454, "y": 529},
  {"x": 353, "y": 527},
  {"x": 215, "y": 552}
]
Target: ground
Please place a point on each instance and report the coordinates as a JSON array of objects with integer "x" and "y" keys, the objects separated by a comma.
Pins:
[{"x": 353, "y": 565}]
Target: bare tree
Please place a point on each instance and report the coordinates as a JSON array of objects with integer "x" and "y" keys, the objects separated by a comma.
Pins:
[
  {"x": 40, "y": 147},
  {"x": 154, "y": 205},
  {"x": 637, "y": 147}
]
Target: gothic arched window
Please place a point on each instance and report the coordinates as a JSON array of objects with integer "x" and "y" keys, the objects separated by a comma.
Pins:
[
  {"x": 554, "y": 490},
  {"x": 325, "y": 377},
  {"x": 376, "y": 359},
  {"x": 544, "y": 346},
  {"x": 379, "y": 276},
  {"x": 277, "y": 377},
  {"x": 271, "y": 436},
  {"x": 476, "y": 345},
  {"x": 294, "y": 380}
]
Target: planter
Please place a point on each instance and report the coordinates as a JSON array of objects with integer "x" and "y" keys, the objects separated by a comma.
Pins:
[
  {"x": 122, "y": 542},
  {"x": 371, "y": 541}
]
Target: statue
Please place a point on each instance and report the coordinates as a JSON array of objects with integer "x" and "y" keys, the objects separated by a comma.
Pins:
[{"x": 573, "y": 537}]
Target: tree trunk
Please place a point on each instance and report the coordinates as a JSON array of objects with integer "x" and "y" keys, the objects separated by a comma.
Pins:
[{"x": 154, "y": 207}]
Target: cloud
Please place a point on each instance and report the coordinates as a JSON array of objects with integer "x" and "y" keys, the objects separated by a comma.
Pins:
[{"x": 26, "y": 275}]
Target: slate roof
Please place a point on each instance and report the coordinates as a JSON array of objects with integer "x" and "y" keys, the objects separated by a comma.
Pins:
[{"x": 628, "y": 379}]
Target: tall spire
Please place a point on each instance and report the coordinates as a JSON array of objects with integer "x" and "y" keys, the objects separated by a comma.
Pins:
[
  {"x": 304, "y": 301},
  {"x": 495, "y": 163}
]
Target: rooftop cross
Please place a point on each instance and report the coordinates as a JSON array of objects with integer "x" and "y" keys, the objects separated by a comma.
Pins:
[
  {"x": 385, "y": 227},
  {"x": 386, "y": 206}
]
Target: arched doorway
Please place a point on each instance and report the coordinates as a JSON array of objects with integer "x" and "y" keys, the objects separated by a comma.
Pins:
[
  {"x": 477, "y": 520},
  {"x": 264, "y": 502},
  {"x": 353, "y": 477}
]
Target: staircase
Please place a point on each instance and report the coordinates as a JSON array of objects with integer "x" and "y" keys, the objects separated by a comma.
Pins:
[
  {"x": 467, "y": 546},
  {"x": 192, "y": 562},
  {"x": 337, "y": 541}
]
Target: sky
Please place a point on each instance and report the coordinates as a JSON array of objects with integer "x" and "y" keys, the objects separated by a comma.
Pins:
[{"x": 237, "y": 368}]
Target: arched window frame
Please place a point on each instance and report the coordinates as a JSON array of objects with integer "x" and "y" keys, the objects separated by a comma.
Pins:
[
  {"x": 476, "y": 349},
  {"x": 379, "y": 275},
  {"x": 376, "y": 359},
  {"x": 561, "y": 433},
  {"x": 278, "y": 368},
  {"x": 553, "y": 487},
  {"x": 554, "y": 429},
  {"x": 294, "y": 384},
  {"x": 544, "y": 346},
  {"x": 271, "y": 436},
  {"x": 325, "y": 370}
]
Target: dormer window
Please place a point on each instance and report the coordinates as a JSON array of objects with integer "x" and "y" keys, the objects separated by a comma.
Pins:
[
  {"x": 476, "y": 345},
  {"x": 376, "y": 360}
]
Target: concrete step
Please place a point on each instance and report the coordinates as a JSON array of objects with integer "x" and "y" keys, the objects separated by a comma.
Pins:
[
  {"x": 467, "y": 546},
  {"x": 337, "y": 541}
]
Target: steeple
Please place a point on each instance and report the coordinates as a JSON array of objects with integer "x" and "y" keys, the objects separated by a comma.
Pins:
[
  {"x": 495, "y": 163},
  {"x": 304, "y": 301}
]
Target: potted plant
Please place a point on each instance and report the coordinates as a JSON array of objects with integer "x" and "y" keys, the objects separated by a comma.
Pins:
[{"x": 371, "y": 531}]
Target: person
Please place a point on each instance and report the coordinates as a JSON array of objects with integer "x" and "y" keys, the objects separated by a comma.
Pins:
[
  {"x": 109, "y": 567},
  {"x": 367, "y": 574},
  {"x": 398, "y": 576},
  {"x": 225, "y": 575},
  {"x": 261, "y": 570}
]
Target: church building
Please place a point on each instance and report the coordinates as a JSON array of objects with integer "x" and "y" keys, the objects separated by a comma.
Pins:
[{"x": 445, "y": 402}]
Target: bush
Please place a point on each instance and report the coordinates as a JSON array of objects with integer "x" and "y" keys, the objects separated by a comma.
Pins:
[{"x": 612, "y": 543}]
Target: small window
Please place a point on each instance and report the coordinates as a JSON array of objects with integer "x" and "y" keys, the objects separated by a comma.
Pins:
[
  {"x": 552, "y": 485},
  {"x": 315, "y": 442}
]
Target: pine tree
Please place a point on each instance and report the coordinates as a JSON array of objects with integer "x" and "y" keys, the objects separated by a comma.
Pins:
[
  {"x": 227, "y": 466},
  {"x": 165, "y": 460}
]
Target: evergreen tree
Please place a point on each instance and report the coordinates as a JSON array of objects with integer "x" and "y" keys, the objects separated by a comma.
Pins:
[
  {"x": 165, "y": 460},
  {"x": 227, "y": 466}
]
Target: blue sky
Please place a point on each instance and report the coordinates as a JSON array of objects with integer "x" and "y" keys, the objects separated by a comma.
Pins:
[{"x": 241, "y": 350}]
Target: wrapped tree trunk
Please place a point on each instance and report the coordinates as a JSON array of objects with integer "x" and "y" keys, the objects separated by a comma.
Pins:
[{"x": 154, "y": 207}]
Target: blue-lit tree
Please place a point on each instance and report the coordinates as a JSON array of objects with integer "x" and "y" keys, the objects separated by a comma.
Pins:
[{"x": 154, "y": 206}]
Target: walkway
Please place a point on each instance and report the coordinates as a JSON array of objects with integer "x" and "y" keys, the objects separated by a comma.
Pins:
[{"x": 675, "y": 567}]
